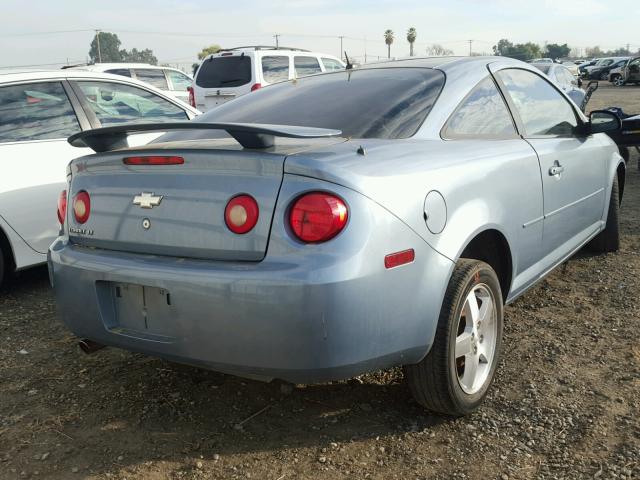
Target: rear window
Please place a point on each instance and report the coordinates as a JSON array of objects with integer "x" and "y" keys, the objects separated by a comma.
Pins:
[
  {"x": 125, "y": 72},
  {"x": 543, "y": 68},
  {"x": 375, "y": 103},
  {"x": 224, "y": 72}
]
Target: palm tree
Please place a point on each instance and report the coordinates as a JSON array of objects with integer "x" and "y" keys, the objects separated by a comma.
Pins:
[
  {"x": 388, "y": 39},
  {"x": 411, "y": 38}
]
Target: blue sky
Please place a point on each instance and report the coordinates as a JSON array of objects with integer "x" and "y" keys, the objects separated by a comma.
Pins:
[{"x": 177, "y": 30}]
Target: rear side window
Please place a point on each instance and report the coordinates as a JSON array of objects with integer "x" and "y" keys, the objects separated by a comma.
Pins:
[
  {"x": 179, "y": 81},
  {"x": 374, "y": 103},
  {"x": 224, "y": 72},
  {"x": 331, "y": 65},
  {"x": 305, "y": 66},
  {"x": 153, "y": 77},
  {"x": 116, "y": 104},
  {"x": 125, "y": 72},
  {"x": 482, "y": 114},
  {"x": 36, "y": 111},
  {"x": 275, "y": 68}
]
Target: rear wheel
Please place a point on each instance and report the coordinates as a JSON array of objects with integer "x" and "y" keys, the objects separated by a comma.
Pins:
[
  {"x": 608, "y": 240},
  {"x": 618, "y": 81},
  {"x": 454, "y": 377}
]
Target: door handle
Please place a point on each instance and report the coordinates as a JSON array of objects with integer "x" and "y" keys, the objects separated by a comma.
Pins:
[{"x": 557, "y": 169}]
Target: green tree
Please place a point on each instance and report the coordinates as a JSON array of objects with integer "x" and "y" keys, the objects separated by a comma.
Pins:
[
  {"x": 206, "y": 51},
  {"x": 555, "y": 51},
  {"x": 109, "y": 48},
  {"x": 521, "y": 51},
  {"x": 139, "y": 56},
  {"x": 411, "y": 38},
  {"x": 388, "y": 39}
]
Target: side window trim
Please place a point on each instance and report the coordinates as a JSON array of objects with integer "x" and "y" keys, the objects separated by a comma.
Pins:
[
  {"x": 76, "y": 104},
  {"x": 514, "y": 110},
  {"x": 446, "y": 135}
]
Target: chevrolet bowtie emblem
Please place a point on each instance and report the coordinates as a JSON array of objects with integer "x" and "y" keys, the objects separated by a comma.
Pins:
[{"x": 147, "y": 200}]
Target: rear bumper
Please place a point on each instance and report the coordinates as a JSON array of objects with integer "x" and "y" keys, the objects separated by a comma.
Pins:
[{"x": 270, "y": 319}]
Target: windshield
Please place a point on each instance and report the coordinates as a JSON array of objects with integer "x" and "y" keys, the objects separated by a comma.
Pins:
[{"x": 374, "y": 103}]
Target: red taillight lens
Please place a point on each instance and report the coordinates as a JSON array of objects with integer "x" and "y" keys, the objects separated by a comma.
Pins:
[
  {"x": 153, "y": 160},
  {"x": 81, "y": 207},
  {"x": 318, "y": 217},
  {"x": 256, "y": 86},
  {"x": 399, "y": 258},
  {"x": 241, "y": 214},
  {"x": 62, "y": 207},
  {"x": 192, "y": 97}
]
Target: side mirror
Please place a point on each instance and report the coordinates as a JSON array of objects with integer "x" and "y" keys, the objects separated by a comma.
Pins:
[{"x": 601, "y": 121}]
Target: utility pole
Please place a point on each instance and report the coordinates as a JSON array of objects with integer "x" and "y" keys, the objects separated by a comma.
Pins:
[
  {"x": 341, "y": 49},
  {"x": 98, "y": 40},
  {"x": 470, "y": 47},
  {"x": 365, "y": 49},
  {"x": 628, "y": 48},
  {"x": 277, "y": 37}
]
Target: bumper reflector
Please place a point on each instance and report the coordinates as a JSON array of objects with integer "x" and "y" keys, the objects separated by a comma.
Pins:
[{"x": 399, "y": 258}]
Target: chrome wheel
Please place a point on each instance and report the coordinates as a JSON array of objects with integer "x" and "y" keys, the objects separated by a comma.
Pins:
[
  {"x": 476, "y": 339},
  {"x": 618, "y": 81}
]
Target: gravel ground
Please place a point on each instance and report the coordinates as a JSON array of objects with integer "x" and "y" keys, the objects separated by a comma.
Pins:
[{"x": 565, "y": 404}]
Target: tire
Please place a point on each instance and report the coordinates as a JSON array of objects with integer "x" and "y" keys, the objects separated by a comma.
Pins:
[
  {"x": 608, "y": 240},
  {"x": 618, "y": 81},
  {"x": 439, "y": 382},
  {"x": 2, "y": 267}
]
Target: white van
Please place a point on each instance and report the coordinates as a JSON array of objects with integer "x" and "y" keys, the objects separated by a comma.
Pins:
[{"x": 231, "y": 73}]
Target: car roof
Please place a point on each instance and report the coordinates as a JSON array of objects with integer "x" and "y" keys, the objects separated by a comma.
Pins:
[{"x": 443, "y": 63}]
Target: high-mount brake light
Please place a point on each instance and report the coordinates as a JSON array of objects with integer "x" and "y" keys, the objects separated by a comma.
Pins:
[
  {"x": 256, "y": 86},
  {"x": 82, "y": 207},
  {"x": 241, "y": 214},
  {"x": 192, "y": 97},
  {"x": 62, "y": 207},
  {"x": 317, "y": 217},
  {"x": 153, "y": 160}
]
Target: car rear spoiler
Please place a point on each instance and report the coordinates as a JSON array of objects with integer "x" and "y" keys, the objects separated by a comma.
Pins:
[{"x": 249, "y": 135}]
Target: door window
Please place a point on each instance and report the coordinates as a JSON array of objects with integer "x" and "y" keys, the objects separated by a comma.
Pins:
[
  {"x": 179, "y": 81},
  {"x": 482, "y": 114},
  {"x": 125, "y": 72},
  {"x": 306, "y": 66},
  {"x": 115, "y": 104},
  {"x": 153, "y": 76},
  {"x": 542, "y": 109},
  {"x": 36, "y": 111},
  {"x": 331, "y": 65},
  {"x": 275, "y": 68}
]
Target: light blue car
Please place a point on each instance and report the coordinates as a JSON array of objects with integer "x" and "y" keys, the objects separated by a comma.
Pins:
[{"x": 338, "y": 224}]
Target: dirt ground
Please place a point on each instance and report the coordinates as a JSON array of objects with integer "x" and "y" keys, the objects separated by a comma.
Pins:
[{"x": 565, "y": 404}]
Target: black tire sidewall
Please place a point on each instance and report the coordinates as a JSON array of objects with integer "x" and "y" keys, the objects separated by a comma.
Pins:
[{"x": 481, "y": 274}]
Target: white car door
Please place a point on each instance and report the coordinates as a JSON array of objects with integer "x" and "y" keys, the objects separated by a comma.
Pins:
[{"x": 35, "y": 121}]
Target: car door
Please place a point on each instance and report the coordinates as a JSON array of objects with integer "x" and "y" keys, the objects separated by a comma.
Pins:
[
  {"x": 572, "y": 165},
  {"x": 35, "y": 120},
  {"x": 109, "y": 103},
  {"x": 633, "y": 71},
  {"x": 179, "y": 84}
]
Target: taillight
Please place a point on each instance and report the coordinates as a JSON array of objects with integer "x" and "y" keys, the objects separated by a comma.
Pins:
[
  {"x": 81, "y": 207},
  {"x": 62, "y": 207},
  {"x": 153, "y": 160},
  {"x": 317, "y": 217},
  {"x": 241, "y": 214},
  {"x": 256, "y": 86},
  {"x": 192, "y": 97}
]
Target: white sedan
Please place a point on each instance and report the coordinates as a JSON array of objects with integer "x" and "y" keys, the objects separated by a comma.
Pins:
[{"x": 38, "y": 111}]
